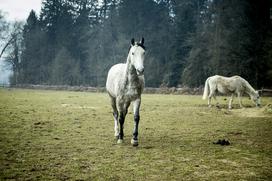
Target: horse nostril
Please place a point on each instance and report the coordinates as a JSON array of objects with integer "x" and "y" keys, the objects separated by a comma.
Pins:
[{"x": 141, "y": 71}]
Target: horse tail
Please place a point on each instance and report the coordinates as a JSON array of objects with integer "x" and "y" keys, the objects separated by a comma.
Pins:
[{"x": 206, "y": 90}]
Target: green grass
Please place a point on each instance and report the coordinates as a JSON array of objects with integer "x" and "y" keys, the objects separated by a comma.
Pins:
[{"x": 58, "y": 135}]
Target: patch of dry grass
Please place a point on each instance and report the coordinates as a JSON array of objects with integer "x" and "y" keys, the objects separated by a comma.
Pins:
[{"x": 58, "y": 135}]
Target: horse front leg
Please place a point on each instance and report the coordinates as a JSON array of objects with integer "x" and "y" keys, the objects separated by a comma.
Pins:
[
  {"x": 239, "y": 99},
  {"x": 136, "y": 110},
  {"x": 230, "y": 101},
  {"x": 121, "y": 132},
  {"x": 122, "y": 108}
]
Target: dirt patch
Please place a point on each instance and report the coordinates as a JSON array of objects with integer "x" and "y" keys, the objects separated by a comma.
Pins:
[{"x": 265, "y": 111}]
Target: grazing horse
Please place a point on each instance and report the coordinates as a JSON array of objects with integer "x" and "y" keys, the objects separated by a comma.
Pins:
[
  {"x": 125, "y": 84},
  {"x": 229, "y": 85}
]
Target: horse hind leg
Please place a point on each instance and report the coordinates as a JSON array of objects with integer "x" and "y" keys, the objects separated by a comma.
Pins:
[
  {"x": 115, "y": 116},
  {"x": 210, "y": 98},
  {"x": 217, "y": 103}
]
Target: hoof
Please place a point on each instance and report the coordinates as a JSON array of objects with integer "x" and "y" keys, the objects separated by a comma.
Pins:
[
  {"x": 120, "y": 141},
  {"x": 134, "y": 142}
]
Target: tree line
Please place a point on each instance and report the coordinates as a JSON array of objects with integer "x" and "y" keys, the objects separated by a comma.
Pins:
[{"x": 75, "y": 42}]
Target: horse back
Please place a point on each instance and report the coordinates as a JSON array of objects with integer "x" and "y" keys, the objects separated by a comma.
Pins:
[{"x": 227, "y": 84}]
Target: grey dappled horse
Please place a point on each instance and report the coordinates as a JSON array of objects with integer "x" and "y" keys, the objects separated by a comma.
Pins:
[
  {"x": 229, "y": 85},
  {"x": 125, "y": 84}
]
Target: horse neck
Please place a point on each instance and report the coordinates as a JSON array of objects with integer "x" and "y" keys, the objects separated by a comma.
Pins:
[
  {"x": 130, "y": 74},
  {"x": 249, "y": 89}
]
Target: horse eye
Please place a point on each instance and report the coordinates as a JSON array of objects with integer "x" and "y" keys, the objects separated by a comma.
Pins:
[{"x": 132, "y": 53}]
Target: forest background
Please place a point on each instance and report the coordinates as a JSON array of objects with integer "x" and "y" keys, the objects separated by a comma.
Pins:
[{"x": 75, "y": 42}]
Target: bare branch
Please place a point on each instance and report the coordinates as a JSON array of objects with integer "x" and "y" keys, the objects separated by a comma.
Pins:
[{"x": 7, "y": 44}]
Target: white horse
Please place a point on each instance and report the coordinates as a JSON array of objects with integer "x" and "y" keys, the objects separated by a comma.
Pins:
[
  {"x": 229, "y": 85},
  {"x": 125, "y": 84}
]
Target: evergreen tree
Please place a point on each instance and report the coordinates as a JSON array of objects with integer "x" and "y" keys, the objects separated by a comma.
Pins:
[
  {"x": 151, "y": 20},
  {"x": 186, "y": 16},
  {"x": 187, "y": 41},
  {"x": 65, "y": 69},
  {"x": 83, "y": 34},
  {"x": 31, "y": 64},
  {"x": 225, "y": 42}
]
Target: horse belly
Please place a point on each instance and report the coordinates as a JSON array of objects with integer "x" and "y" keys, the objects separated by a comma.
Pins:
[
  {"x": 222, "y": 89},
  {"x": 225, "y": 89}
]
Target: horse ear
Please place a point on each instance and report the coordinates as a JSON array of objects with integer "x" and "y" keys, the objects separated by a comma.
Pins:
[
  {"x": 132, "y": 41},
  {"x": 142, "y": 41}
]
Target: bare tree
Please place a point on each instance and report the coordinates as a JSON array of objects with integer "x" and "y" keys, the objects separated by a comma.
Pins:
[{"x": 12, "y": 49}]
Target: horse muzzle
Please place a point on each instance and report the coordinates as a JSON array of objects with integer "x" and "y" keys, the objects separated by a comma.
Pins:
[{"x": 140, "y": 71}]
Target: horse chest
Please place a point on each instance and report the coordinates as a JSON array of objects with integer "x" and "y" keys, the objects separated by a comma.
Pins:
[
  {"x": 134, "y": 88},
  {"x": 133, "y": 92}
]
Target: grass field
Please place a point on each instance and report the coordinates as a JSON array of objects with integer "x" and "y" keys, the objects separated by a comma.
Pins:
[{"x": 58, "y": 135}]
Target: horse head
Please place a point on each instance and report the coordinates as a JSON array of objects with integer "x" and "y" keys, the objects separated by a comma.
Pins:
[
  {"x": 256, "y": 98},
  {"x": 137, "y": 55}
]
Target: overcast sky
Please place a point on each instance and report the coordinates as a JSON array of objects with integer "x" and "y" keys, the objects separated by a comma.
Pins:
[
  {"x": 16, "y": 10},
  {"x": 19, "y": 9}
]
